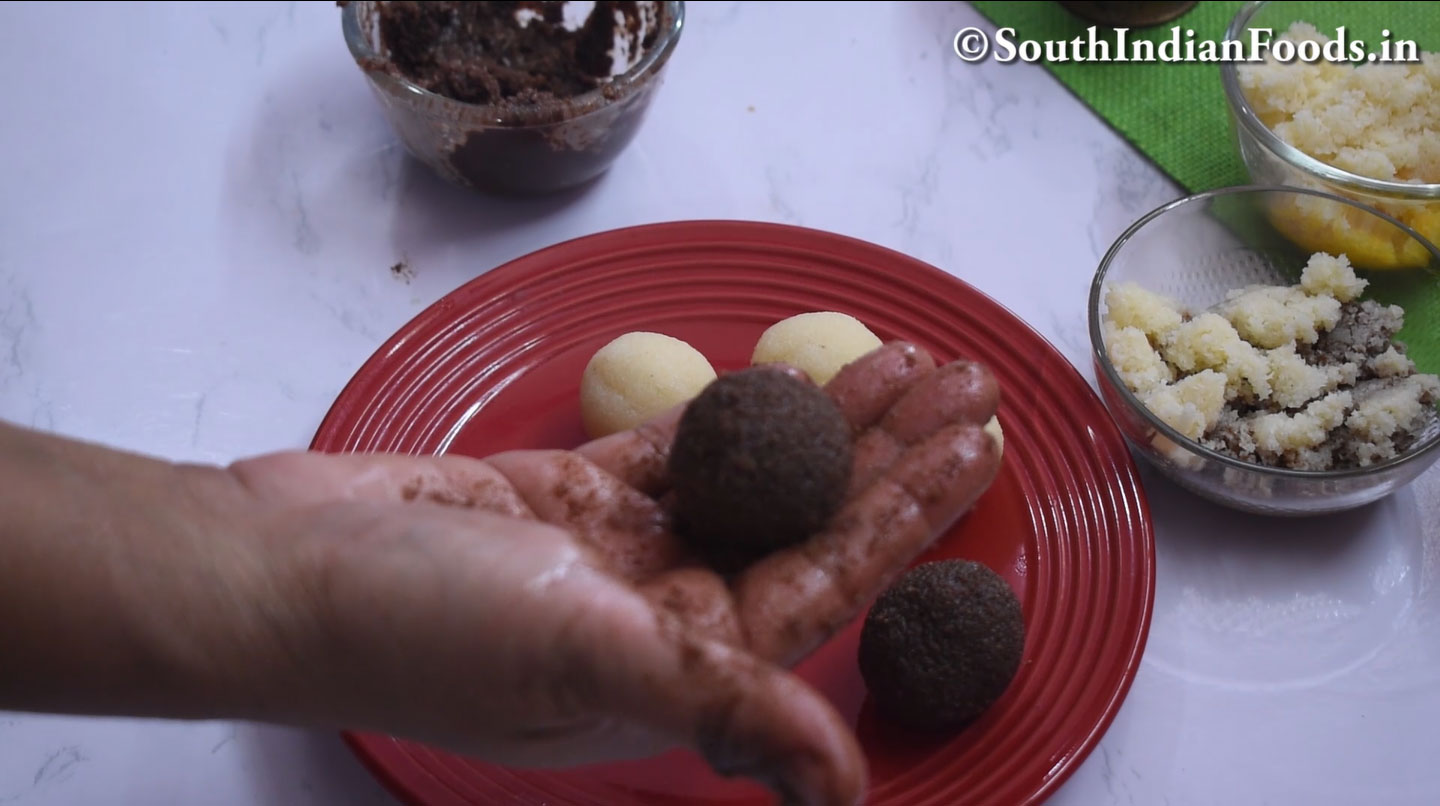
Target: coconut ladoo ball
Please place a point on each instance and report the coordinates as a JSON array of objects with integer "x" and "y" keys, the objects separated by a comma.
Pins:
[
  {"x": 941, "y": 645},
  {"x": 636, "y": 377},
  {"x": 819, "y": 343},
  {"x": 992, "y": 427},
  {"x": 760, "y": 460}
]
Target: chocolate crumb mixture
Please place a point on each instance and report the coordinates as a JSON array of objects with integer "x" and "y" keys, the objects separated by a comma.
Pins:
[
  {"x": 531, "y": 105},
  {"x": 482, "y": 53},
  {"x": 1379, "y": 424},
  {"x": 1365, "y": 329}
]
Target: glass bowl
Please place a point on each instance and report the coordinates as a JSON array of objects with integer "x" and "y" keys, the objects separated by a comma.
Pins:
[
  {"x": 517, "y": 149},
  {"x": 1193, "y": 251},
  {"x": 1128, "y": 13},
  {"x": 1270, "y": 160}
]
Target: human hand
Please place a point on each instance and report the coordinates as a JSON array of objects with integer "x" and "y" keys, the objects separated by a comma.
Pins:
[{"x": 534, "y": 609}]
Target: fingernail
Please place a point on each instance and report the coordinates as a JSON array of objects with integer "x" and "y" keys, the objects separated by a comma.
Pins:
[
  {"x": 730, "y": 760},
  {"x": 784, "y": 790}
]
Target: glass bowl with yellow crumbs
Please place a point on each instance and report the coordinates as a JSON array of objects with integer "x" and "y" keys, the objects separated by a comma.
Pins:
[
  {"x": 1345, "y": 100},
  {"x": 1262, "y": 374}
]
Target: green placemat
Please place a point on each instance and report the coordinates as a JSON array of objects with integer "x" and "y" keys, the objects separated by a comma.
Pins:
[{"x": 1175, "y": 113}]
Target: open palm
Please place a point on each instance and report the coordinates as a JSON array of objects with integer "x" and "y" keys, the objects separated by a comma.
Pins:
[{"x": 534, "y": 608}]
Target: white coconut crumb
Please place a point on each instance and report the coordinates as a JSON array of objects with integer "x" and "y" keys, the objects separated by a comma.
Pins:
[
  {"x": 1279, "y": 433},
  {"x": 1295, "y": 382},
  {"x": 1191, "y": 405},
  {"x": 1392, "y": 406},
  {"x": 1273, "y": 316},
  {"x": 1328, "y": 275},
  {"x": 1139, "y": 365},
  {"x": 1390, "y": 364},
  {"x": 1208, "y": 341},
  {"x": 1129, "y": 305}
]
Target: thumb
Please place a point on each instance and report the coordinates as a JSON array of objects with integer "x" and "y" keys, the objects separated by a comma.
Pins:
[{"x": 747, "y": 717}]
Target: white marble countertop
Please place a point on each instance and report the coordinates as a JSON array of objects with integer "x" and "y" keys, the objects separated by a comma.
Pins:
[{"x": 202, "y": 204}]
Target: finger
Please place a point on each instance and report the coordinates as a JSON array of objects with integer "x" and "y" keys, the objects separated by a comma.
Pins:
[
  {"x": 697, "y": 598},
  {"x": 959, "y": 392},
  {"x": 300, "y": 477},
  {"x": 792, "y": 601},
  {"x": 625, "y": 528},
  {"x": 638, "y": 457},
  {"x": 748, "y": 718},
  {"x": 867, "y": 387},
  {"x": 873, "y": 453}
]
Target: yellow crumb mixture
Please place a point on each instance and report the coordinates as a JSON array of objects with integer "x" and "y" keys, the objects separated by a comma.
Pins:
[
  {"x": 1380, "y": 120},
  {"x": 1377, "y": 120}
]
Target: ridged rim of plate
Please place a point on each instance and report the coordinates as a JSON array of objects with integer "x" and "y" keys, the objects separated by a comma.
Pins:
[{"x": 1090, "y": 577}]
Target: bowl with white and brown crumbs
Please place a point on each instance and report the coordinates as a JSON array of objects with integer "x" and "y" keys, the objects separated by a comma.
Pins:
[
  {"x": 1262, "y": 375},
  {"x": 514, "y": 98}
]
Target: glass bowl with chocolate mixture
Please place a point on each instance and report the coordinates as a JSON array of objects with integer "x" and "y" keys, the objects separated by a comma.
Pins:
[
  {"x": 1262, "y": 375},
  {"x": 515, "y": 98}
]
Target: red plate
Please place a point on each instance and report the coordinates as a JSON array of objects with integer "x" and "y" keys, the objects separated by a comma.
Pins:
[{"x": 496, "y": 365}]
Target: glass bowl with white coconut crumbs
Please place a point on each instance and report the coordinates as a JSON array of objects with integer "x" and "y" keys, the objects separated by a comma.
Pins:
[
  {"x": 1260, "y": 374},
  {"x": 514, "y": 98},
  {"x": 1345, "y": 102}
]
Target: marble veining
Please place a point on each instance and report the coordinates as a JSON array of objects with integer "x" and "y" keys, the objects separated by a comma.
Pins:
[
  {"x": 17, "y": 323},
  {"x": 59, "y": 766}
]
